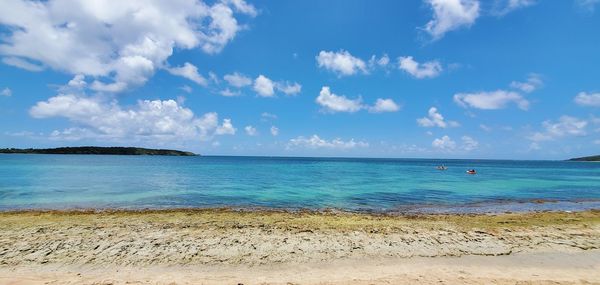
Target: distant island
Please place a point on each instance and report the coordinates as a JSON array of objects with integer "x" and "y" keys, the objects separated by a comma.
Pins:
[
  {"x": 98, "y": 150},
  {"x": 586, "y": 158}
]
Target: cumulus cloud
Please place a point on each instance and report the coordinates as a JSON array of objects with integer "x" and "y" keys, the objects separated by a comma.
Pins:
[
  {"x": 500, "y": 99},
  {"x": 341, "y": 62},
  {"x": 289, "y": 88},
  {"x": 77, "y": 82},
  {"x": 588, "y": 99},
  {"x": 226, "y": 128},
  {"x": 384, "y": 105},
  {"x": 237, "y": 80},
  {"x": 444, "y": 143},
  {"x": 148, "y": 120},
  {"x": 383, "y": 61},
  {"x": 274, "y": 131},
  {"x": 534, "y": 81},
  {"x": 428, "y": 69},
  {"x": 264, "y": 86},
  {"x": 6, "y": 92},
  {"x": 435, "y": 119},
  {"x": 118, "y": 43},
  {"x": 338, "y": 103},
  {"x": 229, "y": 93},
  {"x": 251, "y": 131},
  {"x": 315, "y": 141},
  {"x": 190, "y": 72},
  {"x": 565, "y": 126},
  {"x": 450, "y": 15},
  {"x": 494, "y": 100}
]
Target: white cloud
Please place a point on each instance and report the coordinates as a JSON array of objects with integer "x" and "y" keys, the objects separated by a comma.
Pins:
[
  {"x": 566, "y": 126},
  {"x": 494, "y": 100},
  {"x": 597, "y": 142},
  {"x": 213, "y": 77},
  {"x": 485, "y": 127},
  {"x": 504, "y": 7},
  {"x": 186, "y": 89},
  {"x": 21, "y": 63},
  {"x": 237, "y": 80},
  {"x": 190, "y": 72},
  {"x": 384, "y": 105},
  {"x": 6, "y": 92},
  {"x": 450, "y": 15},
  {"x": 119, "y": 43},
  {"x": 589, "y": 5},
  {"x": 534, "y": 81},
  {"x": 229, "y": 93},
  {"x": 428, "y": 69},
  {"x": 151, "y": 121},
  {"x": 341, "y": 62},
  {"x": 288, "y": 88},
  {"x": 337, "y": 103},
  {"x": 77, "y": 82},
  {"x": 21, "y": 134},
  {"x": 469, "y": 143},
  {"x": 383, "y": 61},
  {"x": 251, "y": 131},
  {"x": 435, "y": 119},
  {"x": 316, "y": 142},
  {"x": 444, "y": 143},
  {"x": 226, "y": 128},
  {"x": 588, "y": 99},
  {"x": 264, "y": 86},
  {"x": 242, "y": 7},
  {"x": 274, "y": 131},
  {"x": 266, "y": 116}
]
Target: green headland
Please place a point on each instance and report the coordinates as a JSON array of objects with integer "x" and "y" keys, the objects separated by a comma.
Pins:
[{"x": 99, "y": 151}]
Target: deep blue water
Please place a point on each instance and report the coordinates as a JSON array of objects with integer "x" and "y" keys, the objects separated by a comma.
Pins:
[{"x": 91, "y": 181}]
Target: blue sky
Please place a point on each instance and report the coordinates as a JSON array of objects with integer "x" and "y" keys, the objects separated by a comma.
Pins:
[{"x": 515, "y": 79}]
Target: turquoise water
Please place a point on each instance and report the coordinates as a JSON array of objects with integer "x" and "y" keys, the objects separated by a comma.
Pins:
[{"x": 379, "y": 185}]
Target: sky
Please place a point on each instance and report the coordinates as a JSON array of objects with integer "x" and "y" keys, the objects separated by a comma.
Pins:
[{"x": 497, "y": 79}]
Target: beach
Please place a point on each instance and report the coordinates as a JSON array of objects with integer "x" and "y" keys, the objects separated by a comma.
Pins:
[{"x": 223, "y": 246}]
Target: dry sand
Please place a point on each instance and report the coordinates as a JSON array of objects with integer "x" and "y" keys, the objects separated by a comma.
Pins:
[{"x": 229, "y": 247}]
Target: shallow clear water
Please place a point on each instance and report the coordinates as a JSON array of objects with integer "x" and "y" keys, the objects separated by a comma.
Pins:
[{"x": 91, "y": 181}]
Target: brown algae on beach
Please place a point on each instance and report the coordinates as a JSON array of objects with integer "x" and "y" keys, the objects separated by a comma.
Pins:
[{"x": 221, "y": 236}]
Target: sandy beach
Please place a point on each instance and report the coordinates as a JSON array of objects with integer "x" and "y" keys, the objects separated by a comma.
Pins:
[{"x": 269, "y": 247}]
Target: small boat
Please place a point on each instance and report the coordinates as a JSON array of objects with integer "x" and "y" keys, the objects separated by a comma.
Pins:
[
  {"x": 441, "y": 167},
  {"x": 471, "y": 171}
]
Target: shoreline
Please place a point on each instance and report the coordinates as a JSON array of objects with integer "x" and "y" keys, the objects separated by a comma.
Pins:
[
  {"x": 220, "y": 246},
  {"x": 484, "y": 207}
]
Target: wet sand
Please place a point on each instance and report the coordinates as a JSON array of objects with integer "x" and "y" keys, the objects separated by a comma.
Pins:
[{"x": 254, "y": 247}]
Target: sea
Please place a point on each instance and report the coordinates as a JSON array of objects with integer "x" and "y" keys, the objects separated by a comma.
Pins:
[{"x": 59, "y": 182}]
